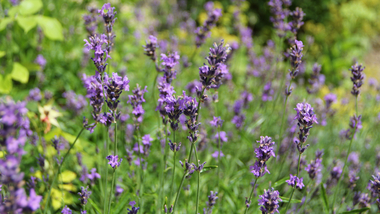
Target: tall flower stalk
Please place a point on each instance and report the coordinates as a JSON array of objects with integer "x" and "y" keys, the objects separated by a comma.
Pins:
[
  {"x": 355, "y": 121},
  {"x": 305, "y": 119}
]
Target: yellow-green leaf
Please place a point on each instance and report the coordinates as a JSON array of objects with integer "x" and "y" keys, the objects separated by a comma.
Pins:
[
  {"x": 20, "y": 73},
  {"x": 51, "y": 27},
  {"x": 5, "y": 84},
  {"x": 26, "y": 23},
  {"x": 13, "y": 11},
  {"x": 68, "y": 176},
  {"x": 4, "y": 22},
  {"x": 2, "y": 53},
  {"x": 28, "y": 7}
]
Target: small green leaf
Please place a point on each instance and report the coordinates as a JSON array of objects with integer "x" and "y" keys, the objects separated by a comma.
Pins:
[
  {"x": 356, "y": 211},
  {"x": 4, "y": 22},
  {"x": 13, "y": 11},
  {"x": 121, "y": 203},
  {"x": 26, "y": 23},
  {"x": 51, "y": 27},
  {"x": 286, "y": 200},
  {"x": 20, "y": 73},
  {"x": 324, "y": 198},
  {"x": 207, "y": 168},
  {"x": 94, "y": 205},
  {"x": 2, "y": 53},
  {"x": 5, "y": 84},
  {"x": 28, "y": 7},
  {"x": 167, "y": 169},
  {"x": 280, "y": 182}
]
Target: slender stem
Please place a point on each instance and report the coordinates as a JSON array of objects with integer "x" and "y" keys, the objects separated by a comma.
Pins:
[
  {"x": 174, "y": 164},
  {"x": 179, "y": 190},
  {"x": 250, "y": 196},
  {"x": 141, "y": 174},
  {"x": 106, "y": 165},
  {"x": 111, "y": 191},
  {"x": 294, "y": 188},
  {"x": 345, "y": 162},
  {"x": 199, "y": 176},
  {"x": 59, "y": 169},
  {"x": 162, "y": 183}
]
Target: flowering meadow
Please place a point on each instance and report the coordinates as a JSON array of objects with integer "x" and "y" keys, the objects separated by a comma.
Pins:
[{"x": 182, "y": 106}]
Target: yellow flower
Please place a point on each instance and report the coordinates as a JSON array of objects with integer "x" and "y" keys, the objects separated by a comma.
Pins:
[{"x": 48, "y": 115}]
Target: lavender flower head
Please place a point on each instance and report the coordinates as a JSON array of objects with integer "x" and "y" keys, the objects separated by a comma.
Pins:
[
  {"x": 314, "y": 168},
  {"x": 150, "y": 47},
  {"x": 211, "y": 76},
  {"x": 114, "y": 161},
  {"x": 295, "y": 181},
  {"x": 136, "y": 101},
  {"x": 357, "y": 78},
  {"x": 297, "y": 22},
  {"x": 296, "y": 58},
  {"x": 267, "y": 92},
  {"x": 217, "y": 154},
  {"x": 84, "y": 195},
  {"x": 316, "y": 79},
  {"x": 114, "y": 86},
  {"x": 90, "y": 21},
  {"x": 279, "y": 14},
  {"x": 217, "y": 121},
  {"x": 75, "y": 102},
  {"x": 203, "y": 32},
  {"x": 41, "y": 61},
  {"x": 263, "y": 153},
  {"x": 108, "y": 14},
  {"x": 134, "y": 209},
  {"x": 168, "y": 62},
  {"x": 66, "y": 210},
  {"x": 355, "y": 125},
  {"x": 35, "y": 94},
  {"x": 97, "y": 44},
  {"x": 211, "y": 202},
  {"x": 269, "y": 201},
  {"x": 306, "y": 118}
]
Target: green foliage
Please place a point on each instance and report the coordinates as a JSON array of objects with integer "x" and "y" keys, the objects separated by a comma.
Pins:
[{"x": 20, "y": 73}]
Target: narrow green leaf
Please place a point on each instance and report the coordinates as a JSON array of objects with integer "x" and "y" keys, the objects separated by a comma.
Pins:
[
  {"x": 167, "y": 169},
  {"x": 356, "y": 211},
  {"x": 20, "y": 73},
  {"x": 4, "y": 22},
  {"x": 26, "y": 23},
  {"x": 28, "y": 7},
  {"x": 121, "y": 203},
  {"x": 324, "y": 198},
  {"x": 280, "y": 182},
  {"x": 51, "y": 27},
  {"x": 207, "y": 168},
  {"x": 293, "y": 201},
  {"x": 2, "y": 53},
  {"x": 94, "y": 205},
  {"x": 5, "y": 84}
]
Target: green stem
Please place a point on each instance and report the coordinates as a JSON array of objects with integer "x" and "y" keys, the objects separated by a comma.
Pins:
[
  {"x": 174, "y": 164},
  {"x": 198, "y": 185},
  {"x": 141, "y": 173},
  {"x": 162, "y": 183},
  {"x": 106, "y": 168},
  {"x": 111, "y": 191},
  {"x": 179, "y": 190},
  {"x": 250, "y": 196},
  {"x": 345, "y": 162},
  {"x": 294, "y": 188},
  {"x": 59, "y": 169}
]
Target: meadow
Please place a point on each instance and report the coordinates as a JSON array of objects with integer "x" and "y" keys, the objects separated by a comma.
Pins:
[{"x": 189, "y": 106}]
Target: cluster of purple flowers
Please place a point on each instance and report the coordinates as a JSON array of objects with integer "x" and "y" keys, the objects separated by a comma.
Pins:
[
  {"x": 113, "y": 161},
  {"x": 263, "y": 153},
  {"x": 114, "y": 86},
  {"x": 211, "y": 202},
  {"x": 96, "y": 44},
  {"x": 362, "y": 199},
  {"x": 75, "y": 102},
  {"x": 295, "y": 181},
  {"x": 297, "y": 22},
  {"x": 279, "y": 15},
  {"x": 375, "y": 188},
  {"x": 84, "y": 195},
  {"x": 306, "y": 118},
  {"x": 203, "y": 32},
  {"x": 14, "y": 131},
  {"x": 91, "y": 21},
  {"x": 267, "y": 92},
  {"x": 136, "y": 101},
  {"x": 296, "y": 58},
  {"x": 316, "y": 79},
  {"x": 212, "y": 75},
  {"x": 315, "y": 165},
  {"x": 269, "y": 201},
  {"x": 243, "y": 102},
  {"x": 108, "y": 14},
  {"x": 150, "y": 48},
  {"x": 34, "y": 95},
  {"x": 168, "y": 62},
  {"x": 355, "y": 125},
  {"x": 41, "y": 61},
  {"x": 357, "y": 78}
]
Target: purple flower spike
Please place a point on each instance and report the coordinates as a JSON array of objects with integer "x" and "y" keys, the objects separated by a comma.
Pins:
[
  {"x": 263, "y": 153},
  {"x": 35, "y": 94},
  {"x": 296, "y": 58},
  {"x": 66, "y": 210},
  {"x": 202, "y": 33},
  {"x": 295, "y": 181},
  {"x": 150, "y": 47},
  {"x": 357, "y": 78},
  {"x": 41, "y": 61},
  {"x": 222, "y": 136},
  {"x": 136, "y": 101},
  {"x": 84, "y": 195},
  {"x": 306, "y": 118},
  {"x": 114, "y": 161},
  {"x": 216, "y": 154},
  {"x": 216, "y": 122},
  {"x": 269, "y": 201}
]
